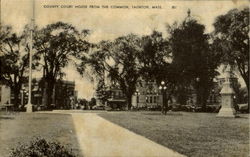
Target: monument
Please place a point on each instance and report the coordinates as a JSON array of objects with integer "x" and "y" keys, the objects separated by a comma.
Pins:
[{"x": 227, "y": 94}]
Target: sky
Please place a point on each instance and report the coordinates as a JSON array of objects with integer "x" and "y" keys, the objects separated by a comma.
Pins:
[{"x": 109, "y": 23}]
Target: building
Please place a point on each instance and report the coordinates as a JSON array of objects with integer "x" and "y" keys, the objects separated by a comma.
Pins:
[
  {"x": 5, "y": 95},
  {"x": 147, "y": 95},
  {"x": 117, "y": 99},
  {"x": 64, "y": 94}
]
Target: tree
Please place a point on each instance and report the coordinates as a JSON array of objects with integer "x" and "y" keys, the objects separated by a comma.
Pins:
[
  {"x": 98, "y": 66},
  {"x": 57, "y": 44},
  {"x": 92, "y": 103},
  {"x": 125, "y": 70},
  {"x": 231, "y": 39},
  {"x": 14, "y": 60},
  {"x": 155, "y": 64},
  {"x": 119, "y": 60},
  {"x": 154, "y": 55},
  {"x": 241, "y": 95},
  {"x": 193, "y": 60},
  {"x": 83, "y": 102}
]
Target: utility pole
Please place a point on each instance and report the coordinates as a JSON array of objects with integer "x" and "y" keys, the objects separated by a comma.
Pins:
[
  {"x": 29, "y": 105},
  {"x": 0, "y": 14}
]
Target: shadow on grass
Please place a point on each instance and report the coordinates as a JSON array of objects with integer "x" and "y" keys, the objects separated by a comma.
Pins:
[
  {"x": 7, "y": 118},
  {"x": 40, "y": 118}
]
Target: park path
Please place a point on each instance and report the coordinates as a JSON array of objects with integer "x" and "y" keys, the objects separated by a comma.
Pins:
[{"x": 100, "y": 138}]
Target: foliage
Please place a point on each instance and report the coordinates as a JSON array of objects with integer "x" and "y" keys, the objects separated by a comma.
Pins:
[
  {"x": 125, "y": 70},
  {"x": 41, "y": 148},
  {"x": 155, "y": 63},
  {"x": 194, "y": 62},
  {"x": 240, "y": 93},
  {"x": 118, "y": 59},
  {"x": 83, "y": 102},
  {"x": 98, "y": 64},
  {"x": 92, "y": 102},
  {"x": 57, "y": 44},
  {"x": 14, "y": 59},
  {"x": 155, "y": 56},
  {"x": 231, "y": 40}
]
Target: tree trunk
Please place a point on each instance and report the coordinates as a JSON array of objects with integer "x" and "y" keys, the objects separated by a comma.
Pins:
[
  {"x": 16, "y": 95},
  {"x": 49, "y": 87},
  {"x": 204, "y": 96},
  {"x": 16, "y": 91},
  {"x": 203, "y": 102},
  {"x": 163, "y": 110},
  {"x": 44, "y": 99},
  {"x": 129, "y": 101},
  {"x": 246, "y": 80},
  {"x": 202, "y": 92}
]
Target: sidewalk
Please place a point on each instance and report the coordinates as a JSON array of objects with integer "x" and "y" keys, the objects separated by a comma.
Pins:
[{"x": 100, "y": 138}]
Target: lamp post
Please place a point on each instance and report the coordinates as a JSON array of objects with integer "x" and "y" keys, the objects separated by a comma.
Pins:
[
  {"x": 29, "y": 105},
  {"x": 197, "y": 91},
  {"x": 163, "y": 88},
  {"x": 213, "y": 96},
  {"x": 23, "y": 94},
  {"x": 137, "y": 97}
]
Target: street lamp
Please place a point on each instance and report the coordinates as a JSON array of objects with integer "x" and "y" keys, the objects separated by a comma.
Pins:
[
  {"x": 23, "y": 92},
  {"x": 163, "y": 88},
  {"x": 213, "y": 96},
  {"x": 137, "y": 97},
  {"x": 197, "y": 91}
]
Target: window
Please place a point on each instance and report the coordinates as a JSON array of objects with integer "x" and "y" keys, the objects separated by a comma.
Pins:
[
  {"x": 154, "y": 99},
  {"x": 211, "y": 99},
  {"x": 151, "y": 99},
  {"x": 140, "y": 84}
]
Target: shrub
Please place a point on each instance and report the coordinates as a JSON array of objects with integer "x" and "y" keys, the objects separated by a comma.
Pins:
[{"x": 41, "y": 148}]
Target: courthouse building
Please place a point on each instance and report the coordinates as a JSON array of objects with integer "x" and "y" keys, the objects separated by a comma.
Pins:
[{"x": 147, "y": 95}]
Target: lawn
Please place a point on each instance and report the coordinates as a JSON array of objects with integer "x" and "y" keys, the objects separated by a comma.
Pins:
[
  {"x": 19, "y": 128},
  {"x": 192, "y": 134}
]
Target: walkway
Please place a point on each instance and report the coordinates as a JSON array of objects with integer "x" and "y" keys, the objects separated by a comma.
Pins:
[{"x": 101, "y": 138}]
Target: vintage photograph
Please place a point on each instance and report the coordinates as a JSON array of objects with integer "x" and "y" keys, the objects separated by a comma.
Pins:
[{"x": 124, "y": 78}]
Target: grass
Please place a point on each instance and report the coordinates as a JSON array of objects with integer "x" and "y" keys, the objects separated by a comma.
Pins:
[
  {"x": 191, "y": 134},
  {"x": 19, "y": 128}
]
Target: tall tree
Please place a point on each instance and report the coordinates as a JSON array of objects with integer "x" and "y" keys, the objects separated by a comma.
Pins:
[
  {"x": 155, "y": 64},
  {"x": 125, "y": 71},
  {"x": 57, "y": 44},
  {"x": 98, "y": 66},
  {"x": 14, "y": 60},
  {"x": 154, "y": 56},
  {"x": 231, "y": 39},
  {"x": 119, "y": 60},
  {"x": 195, "y": 63}
]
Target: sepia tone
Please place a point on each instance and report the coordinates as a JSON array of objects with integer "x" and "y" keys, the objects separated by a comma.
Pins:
[{"x": 112, "y": 78}]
